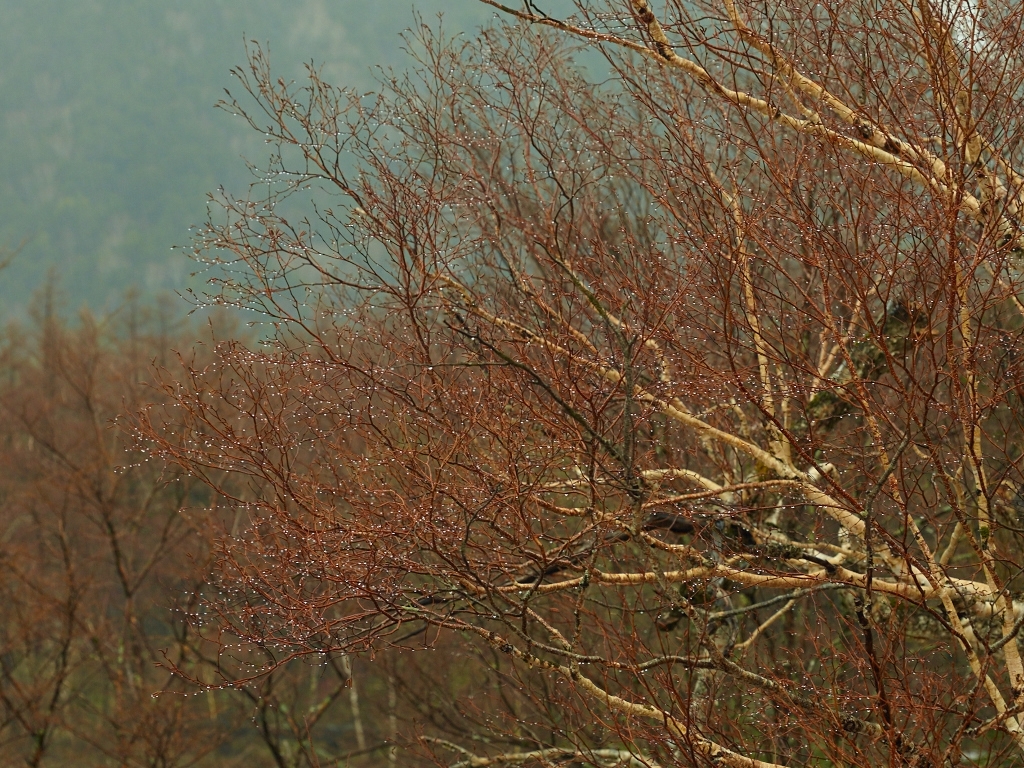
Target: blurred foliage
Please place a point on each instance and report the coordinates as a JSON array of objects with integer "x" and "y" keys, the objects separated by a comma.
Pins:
[
  {"x": 109, "y": 142},
  {"x": 102, "y": 554}
]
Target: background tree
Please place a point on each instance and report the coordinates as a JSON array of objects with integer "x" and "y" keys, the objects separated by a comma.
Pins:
[
  {"x": 88, "y": 545},
  {"x": 99, "y": 555},
  {"x": 678, "y": 411}
]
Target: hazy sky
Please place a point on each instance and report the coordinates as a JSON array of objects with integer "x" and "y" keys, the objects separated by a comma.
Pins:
[{"x": 110, "y": 141}]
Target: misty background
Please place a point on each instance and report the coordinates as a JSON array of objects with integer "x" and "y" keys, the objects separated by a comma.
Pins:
[{"x": 110, "y": 142}]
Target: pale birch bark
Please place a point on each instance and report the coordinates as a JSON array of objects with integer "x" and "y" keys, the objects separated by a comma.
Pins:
[{"x": 694, "y": 393}]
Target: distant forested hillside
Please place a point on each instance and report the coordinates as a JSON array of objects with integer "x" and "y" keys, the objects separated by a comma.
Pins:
[{"x": 109, "y": 140}]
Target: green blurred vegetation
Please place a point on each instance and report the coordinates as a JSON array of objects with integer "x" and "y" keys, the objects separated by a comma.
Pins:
[{"x": 109, "y": 140}]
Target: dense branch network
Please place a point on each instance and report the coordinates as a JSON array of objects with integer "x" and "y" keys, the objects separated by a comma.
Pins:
[{"x": 694, "y": 395}]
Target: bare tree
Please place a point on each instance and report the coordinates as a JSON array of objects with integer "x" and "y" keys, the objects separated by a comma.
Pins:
[
  {"x": 94, "y": 545},
  {"x": 84, "y": 543},
  {"x": 678, "y": 410},
  {"x": 101, "y": 558}
]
